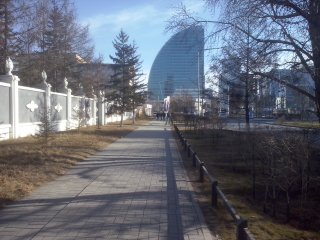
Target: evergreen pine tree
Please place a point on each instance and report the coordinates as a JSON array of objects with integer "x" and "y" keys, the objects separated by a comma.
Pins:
[
  {"x": 10, "y": 11},
  {"x": 53, "y": 42},
  {"x": 127, "y": 90},
  {"x": 137, "y": 86}
]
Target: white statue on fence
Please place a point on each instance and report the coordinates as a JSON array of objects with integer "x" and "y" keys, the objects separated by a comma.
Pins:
[
  {"x": 44, "y": 76},
  {"x": 9, "y": 66},
  {"x": 66, "y": 83},
  {"x": 44, "y": 84}
]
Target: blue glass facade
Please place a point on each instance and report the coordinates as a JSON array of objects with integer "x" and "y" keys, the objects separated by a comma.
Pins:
[{"x": 178, "y": 67}]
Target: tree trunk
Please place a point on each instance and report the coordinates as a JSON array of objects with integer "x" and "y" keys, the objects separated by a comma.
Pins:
[
  {"x": 314, "y": 30},
  {"x": 308, "y": 178},
  {"x": 121, "y": 120},
  {"x": 246, "y": 104},
  {"x": 266, "y": 192},
  {"x": 317, "y": 85},
  {"x": 253, "y": 160},
  {"x": 6, "y": 37},
  {"x": 274, "y": 200},
  {"x": 288, "y": 206},
  {"x": 246, "y": 100},
  {"x": 133, "y": 115}
]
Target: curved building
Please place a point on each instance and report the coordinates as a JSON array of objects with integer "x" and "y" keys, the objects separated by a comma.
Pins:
[{"x": 178, "y": 67}]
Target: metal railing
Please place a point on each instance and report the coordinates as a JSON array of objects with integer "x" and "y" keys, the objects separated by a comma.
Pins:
[{"x": 242, "y": 232}]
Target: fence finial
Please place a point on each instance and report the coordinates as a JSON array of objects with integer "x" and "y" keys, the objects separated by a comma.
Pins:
[
  {"x": 44, "y": 76},
  {"x": 66, "y": 83},
  {"x": 9, "y": 66},
  {"x": 45, "y": 84},
  {"x": 101, "y": 93},
  {"x": 93, "y": 92}
]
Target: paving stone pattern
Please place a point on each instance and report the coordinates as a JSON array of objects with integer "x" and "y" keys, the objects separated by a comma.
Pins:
[{"x": 134, "y": 189}]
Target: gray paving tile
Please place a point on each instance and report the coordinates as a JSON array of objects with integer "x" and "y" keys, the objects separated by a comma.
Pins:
[{"x": 135, "y": 189}]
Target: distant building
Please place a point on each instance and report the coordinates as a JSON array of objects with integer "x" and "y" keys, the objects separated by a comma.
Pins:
[
  {"x": 267, "y": 97},
  {"x": 179, "y": 66},
  {"x": 228, "y": 80},
  {"x": 285, "y": 100}
]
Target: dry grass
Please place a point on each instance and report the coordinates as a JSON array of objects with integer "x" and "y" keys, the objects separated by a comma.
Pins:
[
  {"x": 26, "y": 163},
  {"x": 220, "y": 160},
  {"x": 309, "y": 125}
]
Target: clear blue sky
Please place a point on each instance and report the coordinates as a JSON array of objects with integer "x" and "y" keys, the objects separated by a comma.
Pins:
[{"x": 143, "y": 20}]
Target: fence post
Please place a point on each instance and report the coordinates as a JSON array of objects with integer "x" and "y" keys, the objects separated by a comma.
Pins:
[
  {"x": 69, "y": 108},
  {"x": 194, "y": 163},
  {"x": 241, "y": 225},
  {"x": 101, "y": 108},
  {"x": 214, "y": 194},
  {"x": 185, "y": 144},
  {"x": 47, "y": 88},
  {"x": 68, "y": 91},
  {"x": 181, "y": 138},
  {"x": 179, "y": 134},
  {"x": 15, "y": 105},
  {"x": 189, "y": 151},
  {"x": 201, "y": 172},
  {"x": 14, "y": 97},
  {"x": 94, "y": 110}
]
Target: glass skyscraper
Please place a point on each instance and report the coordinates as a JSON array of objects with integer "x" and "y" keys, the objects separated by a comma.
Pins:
[{"x": 178, "y": 67}]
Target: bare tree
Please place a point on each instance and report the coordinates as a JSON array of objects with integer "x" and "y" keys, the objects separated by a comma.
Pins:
[
  {"x": 287, "y": 159},
  {"x": 47, "y": 125},
  {"x": 47, "y": 36},
  {"x": 292, "y": 27},
  {"x": 79, "y": 114},
  {"x": 182, "y": 103},
  {"x": 250, "y": 56}
]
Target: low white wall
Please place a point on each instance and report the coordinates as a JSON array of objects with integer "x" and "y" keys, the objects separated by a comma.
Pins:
[
  {"x": 27, "y": 129},
  {"x": 24, "y": 106},
  {"x": 5, "y": 131},
  {"x": 117, "y": 118},
  {"x": 61, "y": 125}
]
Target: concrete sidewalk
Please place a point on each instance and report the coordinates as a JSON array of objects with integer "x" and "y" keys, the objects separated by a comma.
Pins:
[{"x": 135, "y": 189}]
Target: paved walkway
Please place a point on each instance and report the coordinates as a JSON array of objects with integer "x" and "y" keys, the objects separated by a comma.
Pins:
[{"x": 135, "y": 189}]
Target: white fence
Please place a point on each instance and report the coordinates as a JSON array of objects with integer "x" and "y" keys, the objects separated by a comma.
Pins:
[{"x": 21, "y": 108}]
